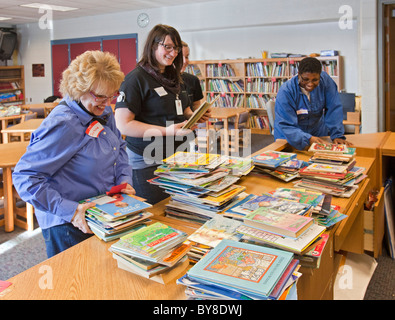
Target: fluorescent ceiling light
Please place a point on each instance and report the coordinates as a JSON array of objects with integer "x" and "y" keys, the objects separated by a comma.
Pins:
[
  {"x": 45, "y": 6},
  {"x": 4, "y": 18}
]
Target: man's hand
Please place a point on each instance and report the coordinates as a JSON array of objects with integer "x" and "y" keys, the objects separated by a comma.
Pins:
[
  {"x": 316, "y": 140},
  {"x": 78, "y": 220},
  {"x": 342, "y": 141}
]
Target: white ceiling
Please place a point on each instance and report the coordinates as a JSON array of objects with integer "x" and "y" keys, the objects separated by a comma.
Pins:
[{"x": 21, "y": 15}]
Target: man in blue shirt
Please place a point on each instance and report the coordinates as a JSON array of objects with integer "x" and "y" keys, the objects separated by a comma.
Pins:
[{"x": 308, "y": 107}]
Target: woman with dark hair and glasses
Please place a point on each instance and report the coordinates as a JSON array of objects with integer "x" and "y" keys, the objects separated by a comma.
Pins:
[
  {"x": 308, "y": 107},
  {"x": 76, "y": 153},
  {"x": 152, "y": 108}
]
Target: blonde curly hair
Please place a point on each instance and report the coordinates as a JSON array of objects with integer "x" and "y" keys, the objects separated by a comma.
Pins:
[{"x": 91, "y": 69}]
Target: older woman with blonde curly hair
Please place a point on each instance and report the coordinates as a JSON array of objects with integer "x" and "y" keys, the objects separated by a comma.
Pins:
[{"x": 76, "y": 153}]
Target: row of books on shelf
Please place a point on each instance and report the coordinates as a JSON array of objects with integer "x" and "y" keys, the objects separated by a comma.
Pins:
[
  {"x": 226, "y": 100},
  {"x": 218, "y": 85},
  {"x": 267, "y": 69},
  {"x": 259, "y": 122},
  {"x": 9, "y": 85},
  {"x": 257, "y": 101},
  {"x": 220, "y": 70},
  {"x": 11, "y": 96},
  {"x": 265, "y": 85}
]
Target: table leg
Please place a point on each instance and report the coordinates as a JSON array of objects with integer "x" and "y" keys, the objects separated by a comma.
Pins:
[
  {"x": 8, "y": 200},
  {"x": 226, "y": 137}
]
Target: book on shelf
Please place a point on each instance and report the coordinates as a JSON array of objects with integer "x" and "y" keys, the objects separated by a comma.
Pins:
[
  {"x": 198, "y": 113},
  {"x": 272, "y": 159},
  {"x": 250, "y": 269},
  {"x": 281, "y": 223}
]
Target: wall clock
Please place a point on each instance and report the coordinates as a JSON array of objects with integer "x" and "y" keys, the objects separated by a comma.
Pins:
[{"x": 143, "y": 20}]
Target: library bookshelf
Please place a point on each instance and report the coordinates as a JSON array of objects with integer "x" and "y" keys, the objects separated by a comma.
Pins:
[
  {"x": 251, "y": 83},
  {"x": 12, "y": 85}
]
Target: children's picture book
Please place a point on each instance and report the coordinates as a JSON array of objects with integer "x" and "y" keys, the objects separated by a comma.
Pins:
[
  {"x": 303, "y": 196},
  {"x": 286, "y": 224},
  {"x": 152, "y": 243},
  {"x": 215, "y": 230},
  {"x": 328, "y": 147},
  {"x": 246, "y": 267},
  {"x": 273, "y": 159},
  {"x": 276, "y": 204},
  {"x": 116, "y": 207}
]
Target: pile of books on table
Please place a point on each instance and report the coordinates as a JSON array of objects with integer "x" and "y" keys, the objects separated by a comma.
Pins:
[
  {"x": 201, "y": 185},
  {"x": 281, "y": 165},
  {"x": 116, "y": 215},
  {"x": 156, "y": 252},
  {"x": 332, "y": 170},
  {"x": 241, "y": 271}
]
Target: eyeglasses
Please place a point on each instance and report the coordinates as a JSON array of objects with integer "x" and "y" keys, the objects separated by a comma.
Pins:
[
  {"x": 99, "y": 98},
  {"x": 170, "y": 48}
]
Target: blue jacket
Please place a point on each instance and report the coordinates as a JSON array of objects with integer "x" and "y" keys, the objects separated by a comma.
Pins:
[
  {"x": 297, "y": 119},
  {"x": 63, "y": 164}
]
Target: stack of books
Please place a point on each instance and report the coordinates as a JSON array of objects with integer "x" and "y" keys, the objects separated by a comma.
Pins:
[
  {"x": 153, "y": 252},
  {"x": 332, "y": 170},
  {"x": 210, "y": 234},
  {"x": 242, "y": 271},
  {"x": 200, "y": 185},
  {"x": 116, "y": 215},
  {"x": 281, "y": 165}
]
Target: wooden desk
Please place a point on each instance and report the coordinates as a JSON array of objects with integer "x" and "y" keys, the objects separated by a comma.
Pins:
[
  {"x": 25, "y": 127},
  {"x": 9, "y": 156},
  {"x": 388, "y": 147},
  {"x": 5, "y": 121},
  {"x": 224, "y": 114}
]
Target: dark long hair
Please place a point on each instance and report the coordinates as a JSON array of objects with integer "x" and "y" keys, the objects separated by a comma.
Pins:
[{"x": 157, "y": 35}]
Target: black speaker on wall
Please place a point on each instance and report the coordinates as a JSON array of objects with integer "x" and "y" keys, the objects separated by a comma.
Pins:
[{"x": 8, "y": 42}]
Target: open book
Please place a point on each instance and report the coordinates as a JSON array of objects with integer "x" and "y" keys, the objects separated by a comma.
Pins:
[{"x": 198, "y": 113}]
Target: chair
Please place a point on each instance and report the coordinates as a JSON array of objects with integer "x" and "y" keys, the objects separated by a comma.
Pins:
[
  {"x": 270, "y": 114},
  {"x": 351, "y": 112},
  {"x": 238, "y": 132}
]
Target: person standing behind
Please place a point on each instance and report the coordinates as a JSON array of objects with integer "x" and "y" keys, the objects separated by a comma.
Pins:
[
  {"x": 152, "y": 109},
  {"x": 308, "y": 107},
  {"x": 76, "y": 153},
  {"x": 192, "y": 83}
]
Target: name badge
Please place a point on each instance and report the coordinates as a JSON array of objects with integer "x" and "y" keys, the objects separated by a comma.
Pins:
[
  {"x": 302, "y": 111},
  {"x": 94, "y": 129},
  {"x": 161, "y": 91},
  {"x": 179, "y": 107}
]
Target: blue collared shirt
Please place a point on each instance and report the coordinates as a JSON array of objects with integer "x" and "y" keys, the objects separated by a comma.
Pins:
[
  {"x": 297, "y": 119},
  {"x": 63, "y": 164}
]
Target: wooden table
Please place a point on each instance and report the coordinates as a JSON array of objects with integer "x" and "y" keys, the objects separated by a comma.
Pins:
[
  {"x": 88, "y": 271},
  {"x": 5, "y": 121},
  {"x": 224, "y": 114},
  {"x": 9, "y": 156},
  {"x": 25, "y": 127}
]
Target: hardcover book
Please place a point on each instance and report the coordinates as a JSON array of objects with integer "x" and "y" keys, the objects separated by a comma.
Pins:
[
  {"x": 286, "y": 224},
  {"x": 198, "y": 113},
  {"x": 246, "y": 267},
  {"x": 116, "y": 207},
  {"x": 273, "y": 159},
  {"x": 328, "y": 147}
]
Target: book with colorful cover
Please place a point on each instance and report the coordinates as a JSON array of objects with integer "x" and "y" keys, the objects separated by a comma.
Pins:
[
  {"x": 328, "y": 147},
  {"x": 117, "y": 206},
  {"x": 297, "y": 246},
  {"x": 303, "y": 196},
  {"x": 286, "y": 224},
  {"x": 272, "y": 159},
  {"x": 152, "y": 242},
  {"x": 216, "y": 229},
  {"x": 276, "y": 204},
  {"x": 246, "y": 267},
  {"x": 192, "y": 159}
]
